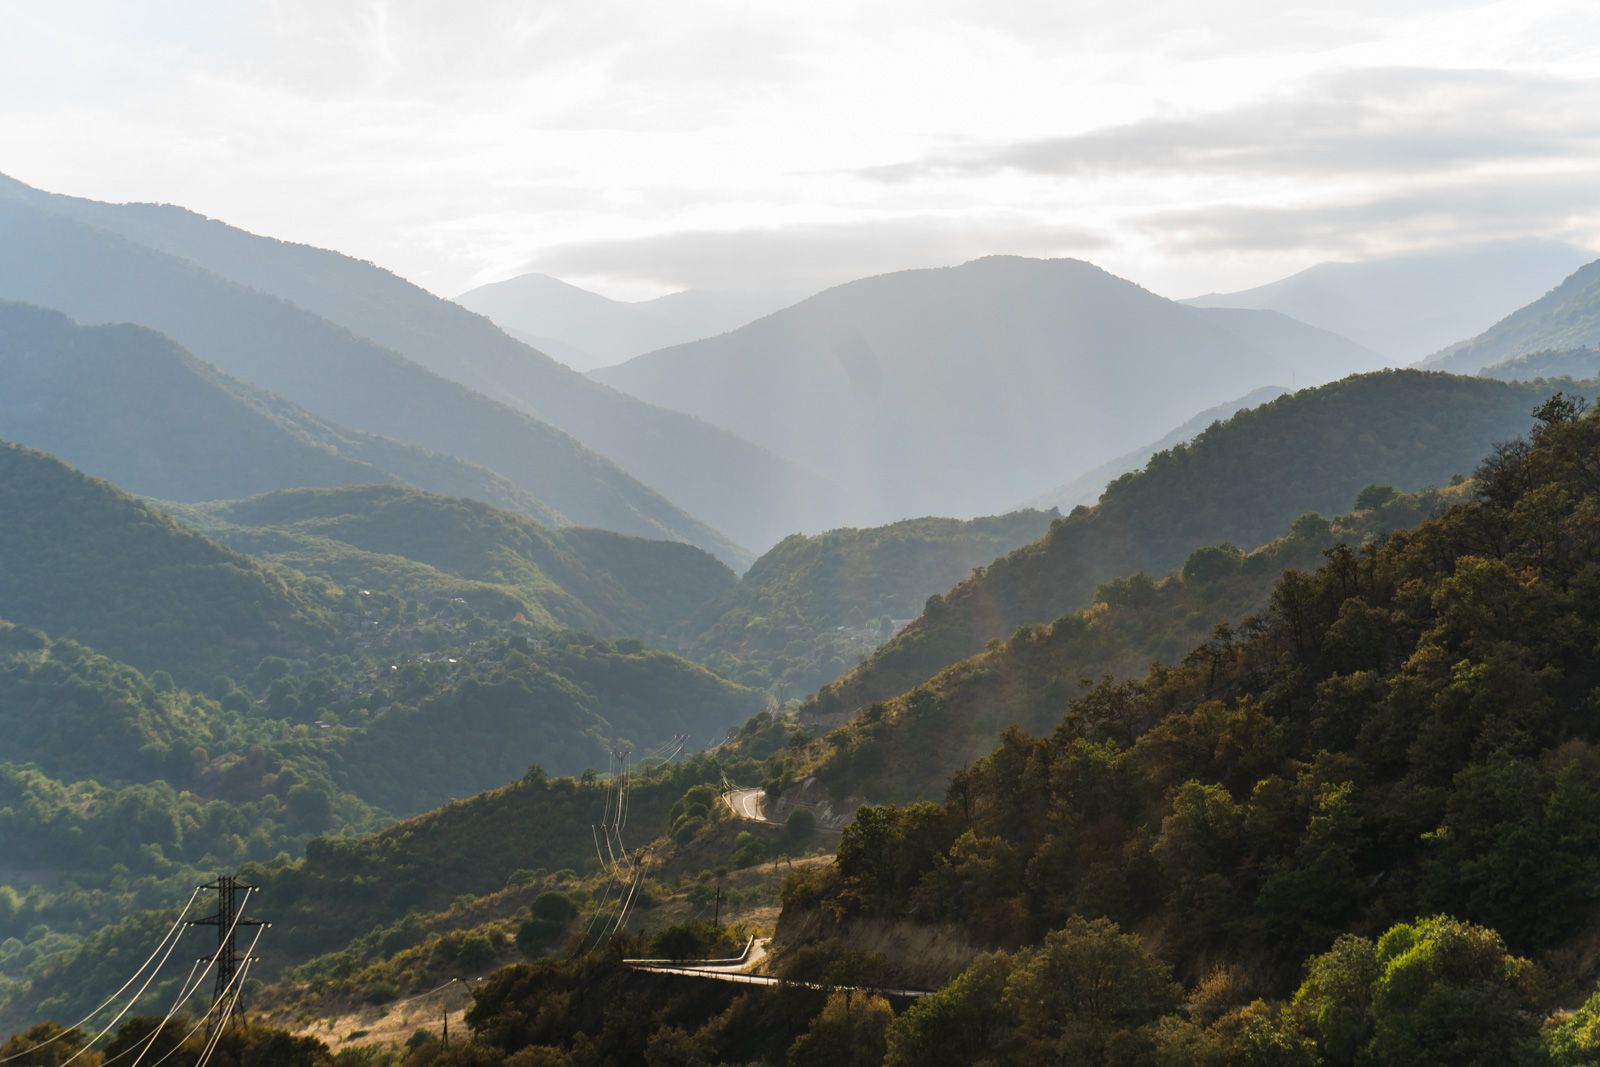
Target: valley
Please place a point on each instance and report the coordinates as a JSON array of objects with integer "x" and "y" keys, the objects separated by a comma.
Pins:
[{"x": 822, "y": 592}]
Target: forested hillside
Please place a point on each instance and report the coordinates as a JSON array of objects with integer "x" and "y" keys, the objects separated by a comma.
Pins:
[
  {"x": 1575, "y": 363},
  {"x": 95, "y": 276},
  {"x": 1408, "y": 731},
  {"x": 812, "y": 607},
  {"x": 962, "y": 390},
  {"x": 1241, "y": 482},
  {"x": 1566, "y": 317},
  {"x": 128, "y": 404},
  {"x": 735, "y": 487},
  {"x": 86, "y": 561},
  {"x": 423, "y": 546},
  {"x": 1086, "y": 488},
  {"x": 906, "y": 748}
]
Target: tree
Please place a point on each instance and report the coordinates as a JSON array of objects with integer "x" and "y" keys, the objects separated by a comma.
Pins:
[
  {"x": 1088, "y": 994},
  {"x": 310, "y": 808},
  {"x": 60, "y": 1044},
  {"x": 960, "y": 1025},
  {"x": 800, "y": 825},
  {"x": 850, "y": 1031},
  {"x": 1336, "y": 998},
  {"x": 1374, "y": 496},
  {"x": 1212, "y": 563},
  {"x": 1448, "y": 992},
  {"x": 1574, "y": 1041}
]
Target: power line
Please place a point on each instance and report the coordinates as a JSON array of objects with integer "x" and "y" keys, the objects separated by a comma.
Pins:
[
  {"x": 123, "y": 989},
  {"x": 228, "y": 918},
  {"x": 208, "y": 1012},
  {"x": 126, "y": 1007}
]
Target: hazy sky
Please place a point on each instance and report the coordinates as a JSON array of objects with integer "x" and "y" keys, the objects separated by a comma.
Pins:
[{"x": 642, "y": 147}]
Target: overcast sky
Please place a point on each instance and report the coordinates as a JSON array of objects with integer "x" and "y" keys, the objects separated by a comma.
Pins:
[{"x": 642, "y": 147}]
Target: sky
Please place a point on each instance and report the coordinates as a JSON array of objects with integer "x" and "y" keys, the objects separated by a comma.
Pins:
[{"x": 639, "y": 148}]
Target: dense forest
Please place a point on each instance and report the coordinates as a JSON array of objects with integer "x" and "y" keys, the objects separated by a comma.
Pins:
[
  {"x": 93, "y": 564},
  {"x": 1240, "y": 482},
  {"x": 812, "y": 607},
  {"x": 1311, "y": 840},
  {"x": 423, "y": 547},
  {"x": 906, "y": 748}
]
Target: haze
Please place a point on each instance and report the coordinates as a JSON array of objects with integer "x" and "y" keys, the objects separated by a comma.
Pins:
[{"x": 641, "y": 149}]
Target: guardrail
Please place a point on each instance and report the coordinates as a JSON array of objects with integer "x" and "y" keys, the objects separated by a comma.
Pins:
[
  {"x": 740, "y": 958},
  {"x": 769, "y": 980}
]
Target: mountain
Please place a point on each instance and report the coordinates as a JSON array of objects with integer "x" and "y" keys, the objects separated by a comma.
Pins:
[
  {"x": 128, "y": 404},
  {"x": 586, "y": 330},
  {"x": 422, "y": 546},
  {"x": 742, "y": 491},
  {"x": 1086, "y": 488},
  {"x": 961, "y": 390},
  {"x": 1568, "y": 316},
  {"x": 906, "y": 748},
  {"x": 86, "y": 561},
  {"x": 812, "y": 607},
  {"x": 1405, "y": 731},
  {"x": 1578, "y": 364},
  {"x": 96, "y": 276},
  {"x": 1241, "y": 481},
  {"x": 1407, "y": 307}
]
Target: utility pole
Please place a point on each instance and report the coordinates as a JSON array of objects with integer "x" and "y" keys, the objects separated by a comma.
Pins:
[
  {"x": 227, "y": 920},
  {"x": 716, "y": 916}
]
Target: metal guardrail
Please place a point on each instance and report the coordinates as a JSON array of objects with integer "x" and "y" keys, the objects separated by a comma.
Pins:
[
  {"x": 740, "y": 958},
  {"x": 769, "y": 980}
]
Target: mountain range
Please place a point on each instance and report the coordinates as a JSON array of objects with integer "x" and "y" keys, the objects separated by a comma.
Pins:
[
  {"x": 962, "y": 390},
  {"x": 1567, "y": 317},
  {"x": 586, "y": 331},
  {"x": 1410, "y": 306},
  {"x": 130, "y": 405},
  {"x": 1242, "y": 481},
  {"x": 336, "y": 334}
]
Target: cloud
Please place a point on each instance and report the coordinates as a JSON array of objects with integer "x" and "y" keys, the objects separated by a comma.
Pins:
[
  {"x": 806, "y": 257},
  {"x": 1431, "y": 213},
  {"x": 1342, "y": 123}
]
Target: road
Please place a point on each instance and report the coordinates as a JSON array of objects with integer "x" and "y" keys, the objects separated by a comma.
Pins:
[
  {"x": 737, "y": 970},
  {"x": 748, "y": 804}
]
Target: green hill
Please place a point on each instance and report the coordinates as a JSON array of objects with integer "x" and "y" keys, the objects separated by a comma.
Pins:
[
  {"x": 814, "y": 606},
  {"x": 423, "y": 546},
  {"x": 1086, "y": 488},
  {"x": 96, "y": 276},
  {"x": 1577, "y": 364},
  {"x": 1568, "y": 316},
  {"x": 906, "y": 748},
  {"x": 1407, "y": 731},
  {"x": 85, "y": 560},
  {"x": 127, "y": 404},
  {"x": 452, "y": 730},
  {"x": 736, "y": 487},
  {"x": 1242, "y": 481}
]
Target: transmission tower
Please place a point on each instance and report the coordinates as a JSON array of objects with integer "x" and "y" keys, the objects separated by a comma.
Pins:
[{"x": 227, "y": 919}]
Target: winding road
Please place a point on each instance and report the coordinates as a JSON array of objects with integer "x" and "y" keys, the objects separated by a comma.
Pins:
[{"x": 748, "y": 804}]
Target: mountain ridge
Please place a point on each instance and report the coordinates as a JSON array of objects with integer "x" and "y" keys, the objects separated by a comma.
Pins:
[
  {"x": 960, "y": 390},
  {"x": 729, "y": 484},
  {"x": 94, "y": 275}
]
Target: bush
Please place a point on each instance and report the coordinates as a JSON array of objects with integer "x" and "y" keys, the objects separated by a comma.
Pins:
[{"x": 801, "y": 824}]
